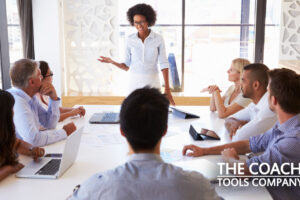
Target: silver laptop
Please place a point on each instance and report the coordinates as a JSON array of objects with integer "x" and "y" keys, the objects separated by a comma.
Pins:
[
  {"x": 52, "y": 168},
  {"x": 105, "y": 118}
]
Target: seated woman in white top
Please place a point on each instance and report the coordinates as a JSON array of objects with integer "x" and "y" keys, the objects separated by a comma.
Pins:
[
  {"x": 143, "y": 51},
  {"x": 64, "y": 112},
  {"x": 233, "y": 100}
]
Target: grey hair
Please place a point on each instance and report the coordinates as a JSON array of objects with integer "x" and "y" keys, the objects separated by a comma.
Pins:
[{"x": 21, "y": 71}]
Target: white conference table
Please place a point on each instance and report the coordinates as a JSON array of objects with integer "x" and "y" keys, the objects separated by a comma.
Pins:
[{"x": 103, "y": 148}]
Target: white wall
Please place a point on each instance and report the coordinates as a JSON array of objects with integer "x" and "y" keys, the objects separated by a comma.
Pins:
[{"x": 47, "y": 37}]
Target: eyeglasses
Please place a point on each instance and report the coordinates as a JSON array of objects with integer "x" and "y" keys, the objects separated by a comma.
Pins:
[
  {"x": 49, "y": 75},
  {"x": 142, "y": 23}
]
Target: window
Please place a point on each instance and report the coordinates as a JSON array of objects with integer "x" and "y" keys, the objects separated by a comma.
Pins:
[
  {"x": 205, "y": 36},
  {"x": 10, "y": 36},
  {"x": 272, "y": 33},
  {"x": 14, "y": 31},
  {"x": 215, "y": 33}
]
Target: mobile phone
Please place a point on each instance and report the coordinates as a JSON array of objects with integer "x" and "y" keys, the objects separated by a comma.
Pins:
[{"x": 53, "y": 155}]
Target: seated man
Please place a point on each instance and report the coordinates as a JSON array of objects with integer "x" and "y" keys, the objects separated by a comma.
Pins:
[
  {"x": 279, "y": 145},
  {"x": 144, "y": 121},
  {"x": 257, "y": 117},
  {"x": 29, "y": 115}
]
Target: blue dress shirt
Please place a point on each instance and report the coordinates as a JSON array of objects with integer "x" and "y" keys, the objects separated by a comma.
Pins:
[
  {"x": 281, "y": 144},
  {"x": 29, "y": 115},
  {"x": 146, "y": 176}
]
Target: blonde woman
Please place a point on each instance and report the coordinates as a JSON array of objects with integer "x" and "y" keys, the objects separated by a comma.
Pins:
[{"x": 233, "y": 100}]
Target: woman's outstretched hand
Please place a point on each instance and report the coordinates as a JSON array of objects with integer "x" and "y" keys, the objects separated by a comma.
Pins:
[{"x": 105, "y": 59}]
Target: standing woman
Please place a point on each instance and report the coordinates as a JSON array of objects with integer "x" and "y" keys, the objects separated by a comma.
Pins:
[
  {"x": 144, "y": 50},
  {"x": 9, "y": 144}
]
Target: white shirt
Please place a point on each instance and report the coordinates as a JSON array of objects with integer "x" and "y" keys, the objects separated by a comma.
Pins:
[
  {"x": 142, "y": 57},
  {"x": 29, "y": 115},
  {"x": 260, "y": 119}
]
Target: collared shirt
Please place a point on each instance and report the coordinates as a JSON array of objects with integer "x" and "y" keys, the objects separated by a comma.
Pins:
[
  {"x": 29, "y": 116},
  {"x": 260, "y": 119},
  {"x": 146, "y": 176},
  {"x": 281, "y": 144},
  {"x": 142, "y": 57}
]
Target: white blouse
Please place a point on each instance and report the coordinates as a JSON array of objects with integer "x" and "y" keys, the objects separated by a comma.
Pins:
[
  {"x": 142, "y": 59},
  {"x": 240, "y": 100}
]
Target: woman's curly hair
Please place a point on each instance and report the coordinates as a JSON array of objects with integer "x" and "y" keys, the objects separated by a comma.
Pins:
[{"x": 142, "y": 9}]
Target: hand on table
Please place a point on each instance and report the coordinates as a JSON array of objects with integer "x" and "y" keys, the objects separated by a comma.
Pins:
[
  {"x": 14, "y": 168},
  {"x": 69, "y": 128},
  {"x": 78, "y": 111},
  {"x": 37, "y": 152},
  {"x": 195, "y": 151},
  {"x": 229, "y": 153}
]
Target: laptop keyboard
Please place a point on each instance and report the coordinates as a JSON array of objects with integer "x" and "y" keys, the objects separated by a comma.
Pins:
[
  {"x": 110, "y": 117},
  {"x": 50, "y": 168}
]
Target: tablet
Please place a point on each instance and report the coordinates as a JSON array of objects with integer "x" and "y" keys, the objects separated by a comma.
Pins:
[{"x": 204, "y": 134}]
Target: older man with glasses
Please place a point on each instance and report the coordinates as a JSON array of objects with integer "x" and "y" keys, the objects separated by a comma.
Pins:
[{"x": 29, "y": 115}]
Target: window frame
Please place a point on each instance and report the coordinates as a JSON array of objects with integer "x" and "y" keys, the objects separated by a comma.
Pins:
[
  {"x": 260, "y": 14},
  {"x": 4, "y": 48}
]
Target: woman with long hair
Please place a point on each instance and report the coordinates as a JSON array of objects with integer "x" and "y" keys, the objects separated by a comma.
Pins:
[{"x": 10, "y": 146}]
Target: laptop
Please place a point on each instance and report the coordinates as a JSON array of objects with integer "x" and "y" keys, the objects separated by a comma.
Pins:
[
  {"x": 52, "y": 168},
  {"x": 105, "y": 118}
]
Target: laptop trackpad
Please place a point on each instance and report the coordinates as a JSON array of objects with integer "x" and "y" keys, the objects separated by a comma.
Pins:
[{"x": 32, "y": 167}]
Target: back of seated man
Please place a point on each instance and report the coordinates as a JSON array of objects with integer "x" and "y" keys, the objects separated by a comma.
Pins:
[
  {"x": 257, "y": 117},
  {"x": 144, "y": 121},
  {"x": 29, "y": 115},
  {"x": 280, "y": 145}
]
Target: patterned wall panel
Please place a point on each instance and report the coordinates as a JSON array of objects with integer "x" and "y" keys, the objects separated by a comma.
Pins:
[
  {"x": 90, "y": 30},
  {"x": 290, "y": 30}
]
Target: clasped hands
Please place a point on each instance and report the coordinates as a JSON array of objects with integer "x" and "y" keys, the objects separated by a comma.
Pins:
[{"x": 211, "y": 89}]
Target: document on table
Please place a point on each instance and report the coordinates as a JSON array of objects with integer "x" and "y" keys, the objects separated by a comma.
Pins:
[
  {"x": 99, "y": 140},
  {"x": 172, "y": 155}
]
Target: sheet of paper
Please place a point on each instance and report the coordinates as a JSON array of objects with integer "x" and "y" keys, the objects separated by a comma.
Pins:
[
  {"x": 100, "y": 140},
  {"x": 171, "y": 155}
]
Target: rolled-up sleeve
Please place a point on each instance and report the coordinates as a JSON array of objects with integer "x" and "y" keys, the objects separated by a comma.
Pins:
[
  {"x": 49, "y": 118},
  {"x": 162, "y": 56},
  {"x": 254, "y": 127},
  {"x": 260, "y": 142},
  {"x": 243, "y": 114},
  {"x": 127, "y": 55}
]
